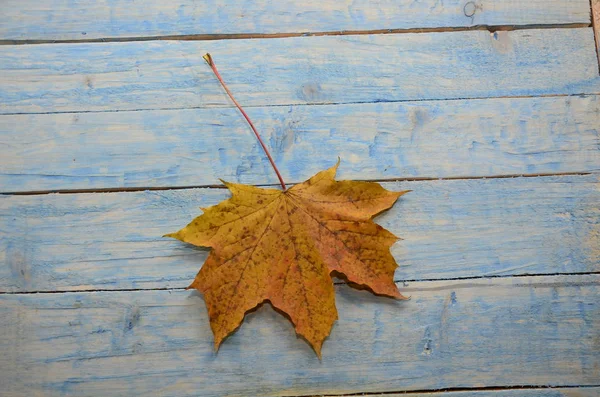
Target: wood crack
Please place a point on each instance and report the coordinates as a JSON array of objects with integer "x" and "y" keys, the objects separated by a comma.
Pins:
[{"x": 245, "y": 36}]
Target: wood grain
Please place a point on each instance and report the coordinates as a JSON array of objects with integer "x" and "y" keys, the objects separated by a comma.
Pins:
[
  {"x": 454, "y": 228},
  {"x": 450, "y": 334},
  {"x": 91, "y": 297},
  {"x": 301, "y": 70},
  {"x": 72, "y": 20},
  {"x": 375, "y": 141}
]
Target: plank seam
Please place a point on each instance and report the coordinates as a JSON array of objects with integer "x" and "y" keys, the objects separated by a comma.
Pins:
[
  {"x": 466, "y": 98},
  {"x": 595, "y": 18},
  {"x": 243, "y": 36},
  {"x": 163, "y": 188},
  {"x": 455, "y": 390},
  {"x": 424, "y": 280}
]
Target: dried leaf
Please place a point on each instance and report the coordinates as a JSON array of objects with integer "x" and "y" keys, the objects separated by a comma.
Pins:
[{"x": 282, "y": 246}]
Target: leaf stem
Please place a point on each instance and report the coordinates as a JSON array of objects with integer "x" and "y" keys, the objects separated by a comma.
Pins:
[{"x": 212, "y": 65}]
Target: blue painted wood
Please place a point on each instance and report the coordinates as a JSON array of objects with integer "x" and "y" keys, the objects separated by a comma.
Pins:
[
  {"x": 513, "y": 331},
  {"x": 300, "y": 70},
  {"x": 452, "y": 228},
  {"x": 451, "y": 334},
  {"x": 73, "y": 20},
  {"x": 375, "y": 141}
]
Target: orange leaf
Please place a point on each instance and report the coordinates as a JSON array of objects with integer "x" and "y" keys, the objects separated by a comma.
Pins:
[{"x": 282, "y": 246}]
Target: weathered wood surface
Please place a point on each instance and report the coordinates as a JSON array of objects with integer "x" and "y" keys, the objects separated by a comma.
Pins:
[
  {"x": 541, "y": 392},
  {"x": 151, "y": 114},
  {"x": 75, "y": 20},
  {"x": 453, "y": 228},
  {"x": 375, "y": 141},
  {"x": 516, "y": 331},
  {"x": 300, "y": 70}
]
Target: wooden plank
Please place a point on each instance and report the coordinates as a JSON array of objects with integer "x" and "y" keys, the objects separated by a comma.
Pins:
[
  {"x": 375, "y": 141},
  {"x": 453, "y": 228},
  {"x": 521, "y": 392},
  {"x": 451, "y": 334},
  {"x": 73, "y": 20},
  {"x": 300, "y": 70}
]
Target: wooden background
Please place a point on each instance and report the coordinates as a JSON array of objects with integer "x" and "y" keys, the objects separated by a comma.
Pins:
[{"x": 113, "y": 131}]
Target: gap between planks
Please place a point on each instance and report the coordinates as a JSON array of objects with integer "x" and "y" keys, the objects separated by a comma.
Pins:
[
  {"x": 595, "y": 11},
  {"x": 162, "y": 188},
  {"x": 238, "y": 36},
  {"x": 465, "y": 98},
  {"x": 458, "y": 390},
  {"x": 423, "y": 280}
]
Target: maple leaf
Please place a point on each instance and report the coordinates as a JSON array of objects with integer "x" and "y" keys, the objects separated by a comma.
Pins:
[{"x": 282, "y": 247}]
